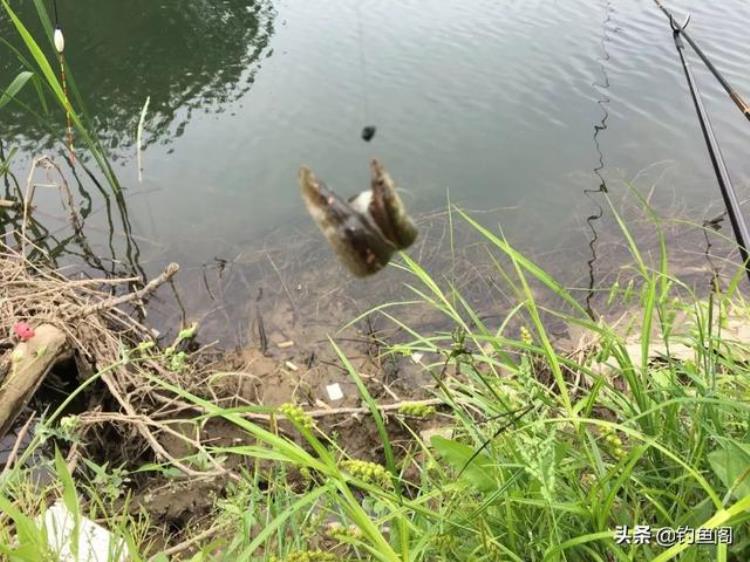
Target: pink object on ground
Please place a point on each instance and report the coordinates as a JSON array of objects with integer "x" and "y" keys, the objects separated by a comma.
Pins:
[{"x": 23, "y": 331}]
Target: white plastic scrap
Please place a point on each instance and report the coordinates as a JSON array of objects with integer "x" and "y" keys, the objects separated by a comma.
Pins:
[
  {"x": 334, "y": 391},
  {"x": 427, "y": 434},
  {"x": 95, "y": 543},
  {"x": 291, "y": 366}
]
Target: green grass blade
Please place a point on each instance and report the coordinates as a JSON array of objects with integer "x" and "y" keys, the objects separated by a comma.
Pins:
[{"x": 14, "y": 87}]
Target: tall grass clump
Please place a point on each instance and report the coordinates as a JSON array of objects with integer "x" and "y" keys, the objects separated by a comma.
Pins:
[
  {"x": 543, "y": 453},
  {"x": 553, "y": 451}
]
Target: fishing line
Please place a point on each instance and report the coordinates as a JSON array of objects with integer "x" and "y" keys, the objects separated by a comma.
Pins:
[
  {"x": 59, "y": 41},
  {"x": 368, "y": 131},
  {"x": 602, "y": 102}
]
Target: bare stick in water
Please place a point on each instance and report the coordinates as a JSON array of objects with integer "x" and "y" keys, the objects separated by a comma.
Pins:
[{"x": 139, "y": 139}]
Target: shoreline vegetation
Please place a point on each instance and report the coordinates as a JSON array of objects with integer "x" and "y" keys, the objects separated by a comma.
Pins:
[
  {"x": 520, "y": 446},
  {"x": 478, "y": 435}
]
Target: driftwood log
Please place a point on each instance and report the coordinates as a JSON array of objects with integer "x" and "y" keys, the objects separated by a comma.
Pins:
[{"x": 30, "y": 363}]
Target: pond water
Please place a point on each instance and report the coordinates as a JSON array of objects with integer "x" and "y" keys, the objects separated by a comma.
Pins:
[{"x": 525, "y": 106}]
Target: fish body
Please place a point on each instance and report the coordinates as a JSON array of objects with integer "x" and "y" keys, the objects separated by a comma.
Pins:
[{"x": 365, "y": 230}]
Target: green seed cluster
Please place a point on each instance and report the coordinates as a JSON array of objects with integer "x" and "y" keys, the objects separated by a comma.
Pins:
[
  {"x": 178, "y": 361},
  {"x": 615, "y": 442},
  {"x": 367, "y": 471},
  {"x": 345, "y": 534},
  {"x": 69, "y": 424},
  {"x": 144, "y": 347},
  {"x": 445, "y": 541},
  {"x": 296, "y": 415},
  {"x": 307, "y": 556},
  {"x": 416, "y": 410},
  {"x": 526, "y": 336}
]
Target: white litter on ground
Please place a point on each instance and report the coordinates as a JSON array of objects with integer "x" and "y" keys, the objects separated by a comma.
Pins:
[
  {"x": 427, "y": 434},
  {"x": 291, "y": 366},
  {"x": 95, "y": 543},
  {"x": 334, "y": 391}
]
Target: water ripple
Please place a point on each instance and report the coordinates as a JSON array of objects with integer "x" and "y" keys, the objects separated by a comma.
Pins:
[{"x": 493, "y": 99}]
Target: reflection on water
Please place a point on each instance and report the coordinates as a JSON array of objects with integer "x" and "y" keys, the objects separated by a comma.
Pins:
[
  {"x": 199, "y": 55},
  {"x": 184, "y": 55},
  {"x": 492, "y": 102},
  {"x": 21, "y": 227}
]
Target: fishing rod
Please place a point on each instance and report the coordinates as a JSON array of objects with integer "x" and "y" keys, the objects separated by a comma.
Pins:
[
  {"x": 733, "y": 94},
  {"x": 728, "y": 193}
]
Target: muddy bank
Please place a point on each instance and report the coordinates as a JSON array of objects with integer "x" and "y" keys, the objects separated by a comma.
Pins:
[{"x": 80, "y": 337}]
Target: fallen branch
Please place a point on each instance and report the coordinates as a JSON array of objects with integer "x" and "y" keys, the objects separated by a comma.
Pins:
[
  {"x": 138, "y": 295},
  {"x": 33, "y": 360},
  {"x": 171, "y": 551},
  {"x": 365, "y": 410}
]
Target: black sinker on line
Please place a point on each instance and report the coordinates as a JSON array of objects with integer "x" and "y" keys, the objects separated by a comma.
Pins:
[{"x": 368, "y": 132}]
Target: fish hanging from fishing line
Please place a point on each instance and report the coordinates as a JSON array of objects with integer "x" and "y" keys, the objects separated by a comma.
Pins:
[{"x": 364, "y": 230}]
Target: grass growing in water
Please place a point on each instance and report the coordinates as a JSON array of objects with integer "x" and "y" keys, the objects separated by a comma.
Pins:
[
  {"x": 42, "y": 75},
  {"x": 545, "y": 454}
]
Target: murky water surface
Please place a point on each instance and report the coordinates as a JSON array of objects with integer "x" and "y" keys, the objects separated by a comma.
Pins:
[{"x": 524, "y": 106}]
